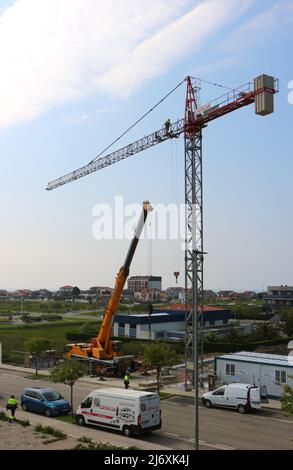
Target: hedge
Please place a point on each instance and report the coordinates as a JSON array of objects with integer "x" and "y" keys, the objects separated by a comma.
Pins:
[
  {"x": 78, "y": 337},
  {"x": 244, "y": 346},
  {"x": 178, "y": 346}
]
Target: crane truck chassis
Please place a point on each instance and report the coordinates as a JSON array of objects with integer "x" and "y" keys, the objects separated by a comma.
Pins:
[{"x": 103, "y": 355}]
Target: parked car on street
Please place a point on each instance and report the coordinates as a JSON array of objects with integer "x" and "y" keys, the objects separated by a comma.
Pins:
[
  {"x": 46, "y": 401},
  {"x": 242, "y": 397}
]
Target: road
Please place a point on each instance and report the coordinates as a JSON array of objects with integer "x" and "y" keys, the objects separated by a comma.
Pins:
[{"x": 219, "y": 429}]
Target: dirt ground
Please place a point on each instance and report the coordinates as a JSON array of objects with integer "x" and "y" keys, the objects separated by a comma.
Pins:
[{"x": 14, "y": 436}]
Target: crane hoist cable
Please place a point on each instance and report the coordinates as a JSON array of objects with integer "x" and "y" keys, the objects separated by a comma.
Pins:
[
  {"x": 177, "y": 241},
  {"x": 217, "y": 84},
  {"x": 150, "y": 253},
  {"x": 174, "y": 242}
]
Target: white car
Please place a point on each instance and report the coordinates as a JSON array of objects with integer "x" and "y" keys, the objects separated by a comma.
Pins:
[{"x": 242, "y": 397}]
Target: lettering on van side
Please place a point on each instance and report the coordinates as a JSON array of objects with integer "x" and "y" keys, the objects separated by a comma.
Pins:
[{"x": 126, "y": 414}]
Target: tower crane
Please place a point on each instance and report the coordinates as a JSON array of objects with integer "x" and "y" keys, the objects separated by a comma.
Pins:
[{"x": 261, "y": 93}]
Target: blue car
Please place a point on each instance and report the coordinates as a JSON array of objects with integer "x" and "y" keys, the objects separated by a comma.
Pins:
[{"x": 44, "y": 400}]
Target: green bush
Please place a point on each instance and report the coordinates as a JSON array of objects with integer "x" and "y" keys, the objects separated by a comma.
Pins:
[
  {"x": 24, "y": 422},
  {"x": 52, "y": 317},
  {"x": 87, "y": 444},
  {"x": 177, "y": 346},
  {"x": 3, "y": 416},
  {"x": 244, "y": 346},
  {"x": 84, "y": 440},
  {"x": 287, "y": 399},
  {"x": 49, "y": 430}
]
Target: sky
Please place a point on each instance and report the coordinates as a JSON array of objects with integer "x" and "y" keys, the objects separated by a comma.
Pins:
[{"x": 75, "y": 75}]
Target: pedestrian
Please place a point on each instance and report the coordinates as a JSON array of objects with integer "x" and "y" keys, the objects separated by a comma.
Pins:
[
  {"x": 126, "y": 380},
  {"x": 167, "y": 125},
  {"x": 11, "y": 405}
]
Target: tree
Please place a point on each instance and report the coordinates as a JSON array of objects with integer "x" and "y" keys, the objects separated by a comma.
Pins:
[
  {"x": 159, "y": 355},
  {"x": 75, "y": 292},
  {"x": 233, "y": 335},
  {"x": 287, "y": 399},
  {"x": 36, "y": 347},
  {"x": 264, "y": 331},
  {"x": 68, "y": 373},
  {"x": 211, "y": 337},
  {"x": 287, "y": 322}
]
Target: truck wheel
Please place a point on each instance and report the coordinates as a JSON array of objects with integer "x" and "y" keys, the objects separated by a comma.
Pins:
[
  {"x": 208, "y": 404},
  {"x": 92, "y": 367},
  {"x": 127, "y": 431},
  {"x": 242, "y": 409},
  {"x": 80, "y": 420}
]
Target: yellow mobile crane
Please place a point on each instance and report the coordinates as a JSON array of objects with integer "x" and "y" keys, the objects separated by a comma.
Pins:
[{"x": 101, "y": 352}]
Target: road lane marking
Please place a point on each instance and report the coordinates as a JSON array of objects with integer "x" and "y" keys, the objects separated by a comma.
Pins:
[
  {"x": 201, "y": 442},
  {"x": 216, "y": 446},
  {"x": 173, "y": 435},
  {"x": 224, "y": 447},
  {"x": 221, "y": 425}
]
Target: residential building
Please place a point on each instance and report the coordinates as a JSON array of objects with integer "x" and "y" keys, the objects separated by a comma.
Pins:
[
  {"x": 173, "y": 292},
  {"x": 127, "y": 296},
  {"x": 21, "y": 294},
  {"x": 99, "y": 290},
  {"x": 65, "y": 291},
  {"x": 3, "y": 294},
  {"x": 279, "y": 297},
  {"x": 41, "y": 294},
  {"x": 225, "y": 294},
  {"x": 137, "y": 283},
  {"x": 148, "y": 295},
  {"x": 209, "y": 295}
]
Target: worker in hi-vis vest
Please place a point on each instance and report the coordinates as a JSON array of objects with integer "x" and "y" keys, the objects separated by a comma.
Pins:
[
  {"x": 126, "y": 380},
  {"x": 11, "y": 405}
]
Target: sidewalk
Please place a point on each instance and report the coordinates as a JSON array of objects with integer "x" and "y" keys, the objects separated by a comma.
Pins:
[
  {"x": 172, "y": 389},
  {"x": 108, "y": 382},
  {"x": 75, "y": 431}
]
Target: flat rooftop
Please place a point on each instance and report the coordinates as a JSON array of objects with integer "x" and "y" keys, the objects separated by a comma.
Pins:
[{"x": 258, "y": 358}]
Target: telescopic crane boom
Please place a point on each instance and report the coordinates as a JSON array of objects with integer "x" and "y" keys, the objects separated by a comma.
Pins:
[{"x": 102, "y": 347}]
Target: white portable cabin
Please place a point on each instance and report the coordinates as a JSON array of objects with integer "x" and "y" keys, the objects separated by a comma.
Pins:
[{"x": 270, "y": 372}]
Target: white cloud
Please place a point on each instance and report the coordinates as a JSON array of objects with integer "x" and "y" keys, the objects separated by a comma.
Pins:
[{"x": 54, "y": 51}]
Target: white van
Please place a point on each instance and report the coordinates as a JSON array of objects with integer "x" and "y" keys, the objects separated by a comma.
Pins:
[
  {"x": 242, "y": 397},
  {"x": 129, "y": 411}
]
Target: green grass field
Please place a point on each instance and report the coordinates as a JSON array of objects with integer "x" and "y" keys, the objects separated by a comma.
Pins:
[
  {"x": 13, "y": 337},
  {"x": 51, "y": 306}
]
